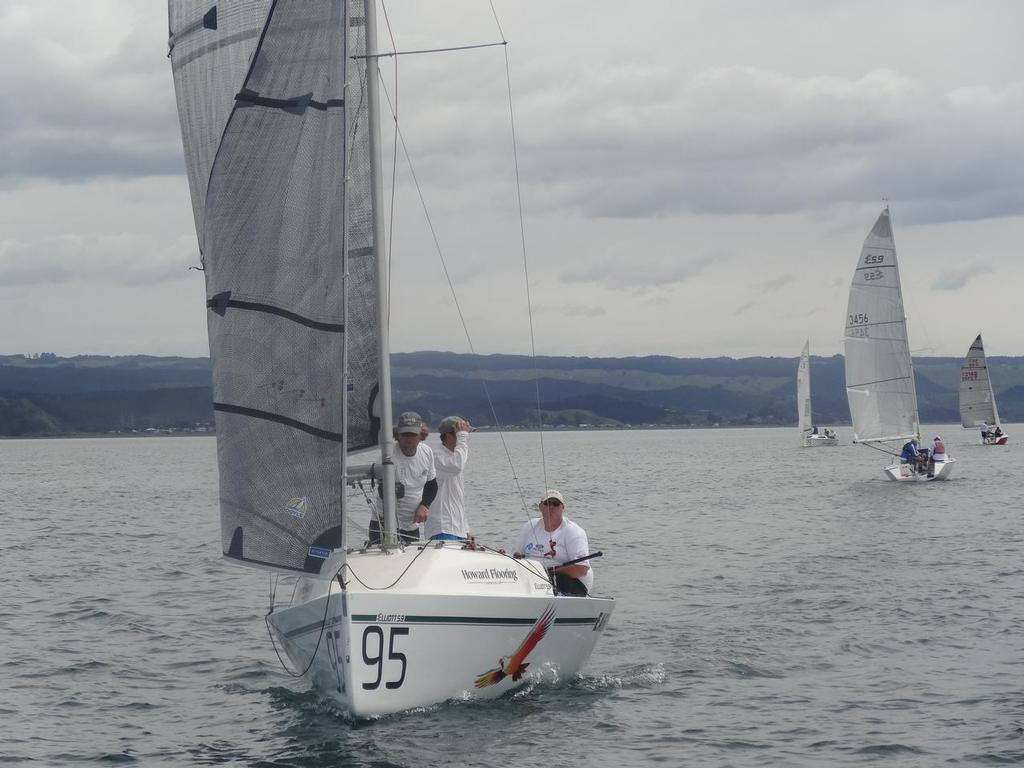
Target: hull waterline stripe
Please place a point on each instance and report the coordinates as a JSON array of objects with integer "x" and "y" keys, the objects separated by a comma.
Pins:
[{"x": 334, "y": 437}]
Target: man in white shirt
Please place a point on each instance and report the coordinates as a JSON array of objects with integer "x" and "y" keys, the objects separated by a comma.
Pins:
[
  {"x": 447, "y": 520},
  {"x": 414, "y": 470},
  {"x": 553, "y": 539}
]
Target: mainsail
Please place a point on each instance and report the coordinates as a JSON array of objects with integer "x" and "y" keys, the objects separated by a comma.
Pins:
[
  {"x": 879, "y": 373},
  {"x": 284, "y": 215},
  {"x": 977, "y": 402},
  {"x": 803, "y": 388}
]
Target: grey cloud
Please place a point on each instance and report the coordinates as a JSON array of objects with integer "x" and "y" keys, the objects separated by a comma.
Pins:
[
  {"x": 122, "y": 259},
  {"x": 83, "y": 113},
  {"x": 745, "y": 140},
  {"x": 954, "y": 279},
  {"x": 625, "y": 274},
  {"x": 773, "y": 285},
  {"x": 584, "y": 310}
]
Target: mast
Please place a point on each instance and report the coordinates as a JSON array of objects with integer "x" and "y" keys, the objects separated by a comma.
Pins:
[
  {"x": 906, "y": 339},
  {"x": 390, "y": 533}
]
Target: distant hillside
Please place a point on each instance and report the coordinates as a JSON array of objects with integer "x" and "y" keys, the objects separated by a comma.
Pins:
[{"x": 50, "y": 395}]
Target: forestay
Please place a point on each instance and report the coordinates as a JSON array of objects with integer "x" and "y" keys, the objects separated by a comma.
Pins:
[
  {"x": 879, "y": 373},
  {"x": 803, "y": 388},
  {"x": 291, "y": 318},
  {"x": 977, "y": 403}
]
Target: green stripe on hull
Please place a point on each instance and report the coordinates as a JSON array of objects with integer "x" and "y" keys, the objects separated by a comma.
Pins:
[
  {"x": 443, "y": 621},
  {"x": 371, "y": 618}
]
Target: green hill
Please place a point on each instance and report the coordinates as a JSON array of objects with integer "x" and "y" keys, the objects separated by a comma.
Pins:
[{"x": 50, "y": 395}]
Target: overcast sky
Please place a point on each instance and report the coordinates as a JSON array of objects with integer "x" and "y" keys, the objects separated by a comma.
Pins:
[{"x": 697, "y": 177}]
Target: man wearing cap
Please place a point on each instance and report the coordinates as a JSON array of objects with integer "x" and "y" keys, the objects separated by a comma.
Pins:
[
  {"x": 447, "y": 519},
  {"x": 414, "y": 469},
  {"x": 553, "y": 539}
]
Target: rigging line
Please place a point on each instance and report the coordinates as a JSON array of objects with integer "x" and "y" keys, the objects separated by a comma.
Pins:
[
  {"x": 455, "y": 298},
  {"x": 396, "y": 54},
  {"x": 319, "y": 639},
  {"x": 878, "y": 448},
  {"x": 526, "y": 270}
]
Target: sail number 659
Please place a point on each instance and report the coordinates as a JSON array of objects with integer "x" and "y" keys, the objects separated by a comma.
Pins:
[{"x": 373, "y": 655}]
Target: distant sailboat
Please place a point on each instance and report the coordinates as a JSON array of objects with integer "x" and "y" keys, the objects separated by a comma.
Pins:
[
  {"x": 879, "y": 372},
  {"x": 809, "y": 434},
  {"x": 977, "y": 401}
]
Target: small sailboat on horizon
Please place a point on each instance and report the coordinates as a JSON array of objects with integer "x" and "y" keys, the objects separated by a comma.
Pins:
[
  {"x": 810, "y": 435},
  {"x": 977, "y": 400},
  {"x": 879, "y": 370}
]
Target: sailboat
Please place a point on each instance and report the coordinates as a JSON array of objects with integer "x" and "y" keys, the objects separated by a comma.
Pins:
[
  {"x": 879, "y": 371},
  {"x": 809, "y": 434},
  {"x": 977, "y": 401},
  {"x": 278, "y": 107}
]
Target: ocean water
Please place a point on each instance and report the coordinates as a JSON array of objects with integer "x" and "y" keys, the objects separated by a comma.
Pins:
[{"x": 776, "y": 606}]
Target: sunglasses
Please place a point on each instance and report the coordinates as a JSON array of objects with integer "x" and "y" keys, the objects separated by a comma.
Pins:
[{"x": 551, "y": 503}]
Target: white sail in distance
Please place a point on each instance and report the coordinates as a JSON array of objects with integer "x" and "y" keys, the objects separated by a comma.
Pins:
[
  {"x": 977, "y": 401},
  {"x": 803, "y": 388},
  {"x": 879, "y": 371}
]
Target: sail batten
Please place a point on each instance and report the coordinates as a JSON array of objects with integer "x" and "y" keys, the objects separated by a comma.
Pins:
[
  {"x": 879, "y": 371},
  {"x": 292, "y": 321}
]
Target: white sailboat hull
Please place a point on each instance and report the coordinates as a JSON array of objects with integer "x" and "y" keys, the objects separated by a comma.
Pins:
[
  {"x": 451, "y": 617},
  {"x": 1003, "y": 439},
  {"x": 811, "y": 441},
  {"x": 904, "y": 472}
]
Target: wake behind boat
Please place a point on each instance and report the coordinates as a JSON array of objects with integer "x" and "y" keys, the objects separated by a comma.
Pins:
[
  {"x": 278, "y": 108},
  {"x": 810, "y": 435},
  {"x": 879, "y": 371},
  {"x": 977, "y": 400}
]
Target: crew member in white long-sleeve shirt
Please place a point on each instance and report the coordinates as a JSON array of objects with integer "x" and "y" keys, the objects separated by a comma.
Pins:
[{"x": 447, "y": 520}]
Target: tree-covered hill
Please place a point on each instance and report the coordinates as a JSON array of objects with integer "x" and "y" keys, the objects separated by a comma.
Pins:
[{"x": 50, "y": 395}]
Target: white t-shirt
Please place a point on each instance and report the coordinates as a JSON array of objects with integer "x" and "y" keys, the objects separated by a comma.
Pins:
[
  {"x": 448, "y": 512},
  {"x": 413, "y": 472},
  {"x": 567, "y": 542}
]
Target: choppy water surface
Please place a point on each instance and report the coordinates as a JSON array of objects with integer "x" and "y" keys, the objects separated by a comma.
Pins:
[{"x": 776, "y": 606}]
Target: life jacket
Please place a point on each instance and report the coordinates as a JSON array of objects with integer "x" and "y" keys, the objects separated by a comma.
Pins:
[{"x": 939, "y": 447}]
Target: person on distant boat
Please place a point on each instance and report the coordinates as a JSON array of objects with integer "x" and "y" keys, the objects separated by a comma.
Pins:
[
  {"x": 447, "y": 519},
  {"x": 985, "y": 433},
  {"x": 415, "y": 473},
  {"x": 938, "y": 454},
  {"x": 814, "y": 430},
  {"x": 552, "y": 539},
  {"x": 830, "y": 434},
  {"x": 997, "y": 433},
  {"x": 909, "y": 454}
]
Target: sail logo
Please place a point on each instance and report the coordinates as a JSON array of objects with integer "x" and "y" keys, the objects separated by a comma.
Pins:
[
  {"x": 298, "y": 507},
  {"x": 319, "y": 552}
]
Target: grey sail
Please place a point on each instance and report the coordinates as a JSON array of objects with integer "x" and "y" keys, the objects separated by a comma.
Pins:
[
  {"x": 211, "y": 44},
  {"x": 286, "y": 228},
  {"x": 977, "y": 401},
  {"x": 879, "y": 372}
]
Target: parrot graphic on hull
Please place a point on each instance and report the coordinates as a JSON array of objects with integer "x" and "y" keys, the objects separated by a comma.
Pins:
[{"x": 515, "y": 665}]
